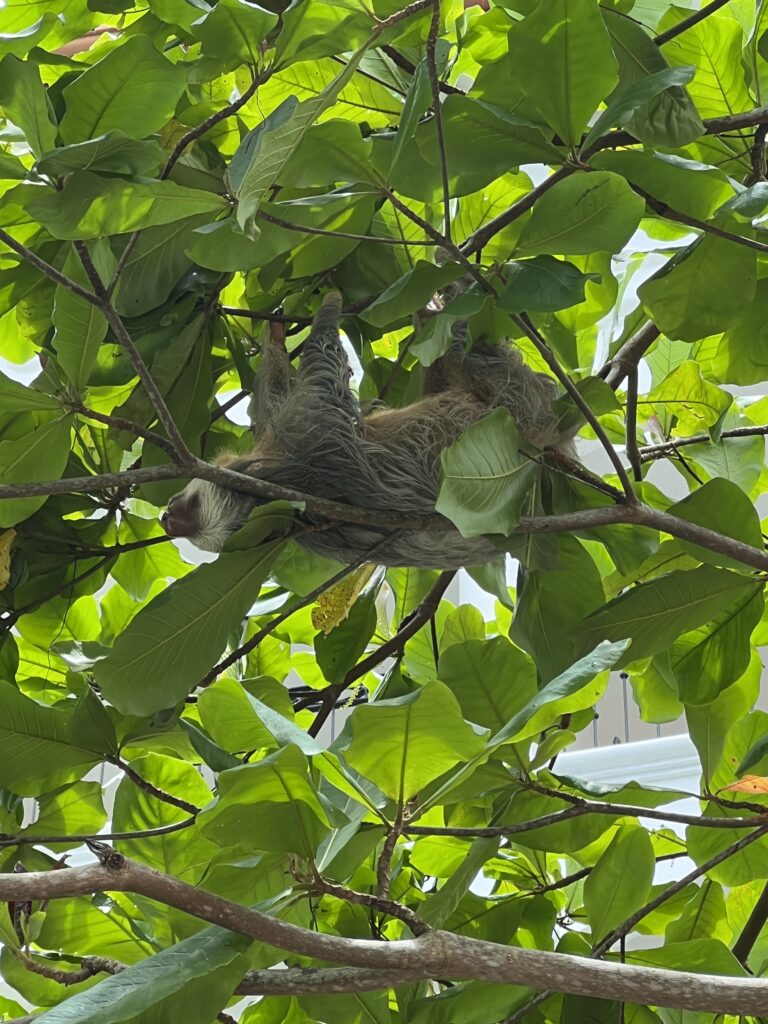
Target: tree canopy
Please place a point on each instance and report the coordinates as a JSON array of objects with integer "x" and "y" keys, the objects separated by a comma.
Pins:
[{"x": 179, "y": 178}]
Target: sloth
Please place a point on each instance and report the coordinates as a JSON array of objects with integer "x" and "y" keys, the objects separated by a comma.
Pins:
[{"x": 312, "y": 435}]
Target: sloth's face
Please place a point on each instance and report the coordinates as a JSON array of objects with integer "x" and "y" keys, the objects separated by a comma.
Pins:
[{"x": 206, "y": 514}]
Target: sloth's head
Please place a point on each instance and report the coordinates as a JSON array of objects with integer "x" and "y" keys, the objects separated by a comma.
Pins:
[{"x": 208, "y": 514}]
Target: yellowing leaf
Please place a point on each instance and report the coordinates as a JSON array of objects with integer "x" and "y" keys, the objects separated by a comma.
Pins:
[
  {"x": 334, "y": 604},
  {"x": 755, "y": 784},
  {"x": 6, "y": 542}
]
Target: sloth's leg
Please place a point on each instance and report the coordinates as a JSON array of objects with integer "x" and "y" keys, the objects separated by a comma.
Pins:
[
  {"x": 272, "y": 383},
  {"x": 324, "y": 371}
]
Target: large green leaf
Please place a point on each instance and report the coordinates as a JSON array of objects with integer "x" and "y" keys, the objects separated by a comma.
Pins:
[
  {"x": 134, "y": 90},
  {"x": 620, "y": 881},
  {"x": 562, "y": 59},
  {"x": 24, "y": 101},
  {"x": 702, "y": 291},
  {"x": 41, "y": 746},
  {"x": 582, "y": 214},
  {"x": 80, "y": 326},
  {"x": 723, "y": 507},
  {"x": 92, "y": 207},
  {"x": 271, "y": 805},
  {"x": 410, "y": 293},
  {"x": 543, "y": 285},
  {"x": 491, "y": 679},
  {"x": 234, "y": 31},
  {"x": 407, "y": 742},
  {"x": 41, "y": 455},
  {"x": 667, "y": 119},
  {"x": 689, "y": 403},
  {"x": 264, "y": 151},
  {"x": 652, "y": 615},
  {"x": 176, "y": 639},
  {"x": 194, "y": 979},
  {"x": 486, "y": 478},
  {"x": 114, "y": 152}
]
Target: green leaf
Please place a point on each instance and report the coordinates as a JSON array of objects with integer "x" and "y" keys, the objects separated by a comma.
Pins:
[
  {"x": 702, "y": 291},
  {"x": 338, "y": 651},
  {"x": 582, "y": 214},
  {"x": 711, "y": 658},
  {"x": 485, "y": 478},
  {"x": 17, "y": 398},
  {"x": 542, "y": 285},
  {"x": 76, "y": 809},
  {"x": 652, "y": 615},
  {"x": 24, "y": 101},
  {"x": 267, "y": 806},
  {"x": 626, "y": 102},
  {"x": 41, "y": 455},
  {"x": 550, "y": 601},
  {"x": 412, "y": 291},
  {"x": 439, "y": 906},
  {"x": 265, "y": 150},
  {"x": 39, "y": 748},
  {"x": 234, "y": 30},
  {"x": 20, "y": 43},
  {"x": 133, "y": 90},
  {"x": 405, "y": 743},
  {"x": 562, "y": 60},
  {"x": 723, "y": 507},
  {"x": 416, "y": 103},
  {"x": 178, "y": 636},
  {"x": 491, "y": 679},
  {"x": 230, "y": 715},
  {"x": 194, "y": 978},
  {"x": 620, "y": 881},
  {"x": 695, "y": 404},
  {"x": 111, "y": 153},
  {"x": 80, "y": 326},
  {"x": 669, "y": 119},
  {"x": 92, "y": 207}
]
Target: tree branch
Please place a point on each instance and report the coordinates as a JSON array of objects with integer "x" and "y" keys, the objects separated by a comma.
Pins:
[
  {"x": 393, "y": 646},
  {"x": 118, "y": 423},
  {"x": 659, "y": 451},
  {"x": 666, "y": 211},
  {"x": 434, "y": 954},
  {"x": 484, "y": 234},
  {"x": 742, "y": 947},
  {"x": 632, "y": 451},
  {"x": 26, "y": 839},
  {"x": 302, "y": 602},
  {"x": 374, "y": 901},
  {"x": 307, "y": 981},
  {"x": 270, "y": 218},
  {"x": 182, "y": 452},
  {"x": 548, "y": 356},
  {"x": 689, "y": 22},
  {"x": 629, "y": 355},
  {"x": 434, "y": 30},
  {"x": 148, "y": 787}
]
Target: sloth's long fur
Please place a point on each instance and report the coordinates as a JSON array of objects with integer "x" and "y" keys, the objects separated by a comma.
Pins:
[{"x": 311, "y": 435}]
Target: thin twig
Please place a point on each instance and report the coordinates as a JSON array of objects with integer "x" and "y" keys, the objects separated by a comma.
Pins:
[
  {"x": 270, "y": 218},
  {"x": 434, "y": 31},
  {"x": 302, "y": 602},
  {"x": 406, "y": 65},
  {"x": 689, "y": 22},
  {"x": 666, "y": 211},
  {"x": 384, "y": 867},
  {"x": 45, "y": 268},
  {"x": 148, "y": 787},
  {"x": 392, "y": 647},
  {"x": 368, "y": 899},
  {"x": 118, "y": 423},
  {"x": 26, "y": 839},
  {"x": 90, "y": 966},
  {"x": 182, "y": 452},
  {"x": 401, "y": 15},
  {"x": 659, "y": 451},
  {"x": 8, "y": 620},
  {"x": 548, "y": 355}
]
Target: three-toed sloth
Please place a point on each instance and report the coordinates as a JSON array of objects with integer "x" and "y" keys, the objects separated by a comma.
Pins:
[{"x": 312, "y": 435}]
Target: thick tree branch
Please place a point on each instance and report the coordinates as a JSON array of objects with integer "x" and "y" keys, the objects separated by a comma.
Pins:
[
  {"x": 434, "y": 954},
  {"x": 319, "y": 981}
]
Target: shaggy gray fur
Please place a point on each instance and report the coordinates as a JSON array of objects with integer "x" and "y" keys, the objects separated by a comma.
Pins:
[{"x": 312, "y": 436}]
